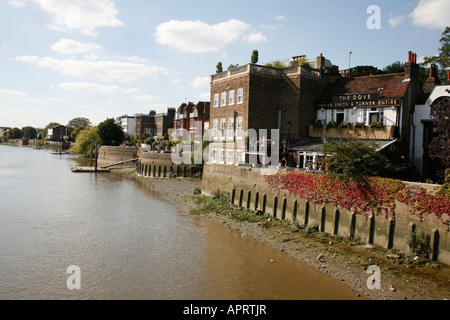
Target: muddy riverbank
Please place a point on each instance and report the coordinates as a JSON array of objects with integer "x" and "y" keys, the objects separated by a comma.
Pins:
[{"x": 402, "y": 277}]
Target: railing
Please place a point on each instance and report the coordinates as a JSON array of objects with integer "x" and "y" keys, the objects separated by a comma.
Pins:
[
  {"x": 384, "y": 133},
  {"x": 258, "y": 69}
]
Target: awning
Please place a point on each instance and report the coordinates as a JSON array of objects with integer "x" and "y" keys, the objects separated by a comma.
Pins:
[{"x": 312, "y": 145}]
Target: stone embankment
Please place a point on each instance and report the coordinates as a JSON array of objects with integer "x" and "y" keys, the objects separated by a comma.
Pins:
[{"x": 402, "y": 277}]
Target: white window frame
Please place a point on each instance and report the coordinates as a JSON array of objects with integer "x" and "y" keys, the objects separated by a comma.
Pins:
[
  {"x": 231, "y": 98},
  {"x": 239, "y": 127},
  {"x": 221, "y": 156},
  {"x": 216, "y": 100},
  {"x": 215, "y": 129},
  {"x": 213, "y": 155},
  {"x": 223, "y": 99},
  {"x": 230, "y": 129},
  {"x": 230, "y": 156},
  {"x": 223, "y": 128},
  {"x": 238, "y": 157},
  {"x": 240, "y": 96}
]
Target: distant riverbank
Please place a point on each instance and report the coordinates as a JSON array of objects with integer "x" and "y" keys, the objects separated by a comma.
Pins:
[{"x": 401, "y": 277}]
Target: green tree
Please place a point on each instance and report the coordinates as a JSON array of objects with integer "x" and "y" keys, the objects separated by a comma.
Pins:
[
  {"x": 29, "y": 132},
  {"x": 354, "y": 160},
  {"x": 219, "y": 67},
  {"x": 255, "y": 57},
  {"x": 83, "y": 144},
  {"x": 396, "y": 67},
  {"x": 364, "y": 71},
  {"x": 443, "y": 58},
  {"x": 78, "y": 122},
  {"x": 110, "y": 133},
  {"x": 14, "y": 133},
  {"x": 74, "y": 133},
  {"x": 232, "y": 66},
  {"x": 278, "y": 63}
]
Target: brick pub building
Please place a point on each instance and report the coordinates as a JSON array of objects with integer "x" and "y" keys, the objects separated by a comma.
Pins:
[
  {"x": 263, "y": 98},
  {"x": 292, "y": 99}
]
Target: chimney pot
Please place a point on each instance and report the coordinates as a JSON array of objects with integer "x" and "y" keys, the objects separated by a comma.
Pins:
[{"x": 409, "y": 56}]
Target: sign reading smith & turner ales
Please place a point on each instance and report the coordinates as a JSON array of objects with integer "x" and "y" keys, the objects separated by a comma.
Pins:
[{"x": 358, "y": 100}]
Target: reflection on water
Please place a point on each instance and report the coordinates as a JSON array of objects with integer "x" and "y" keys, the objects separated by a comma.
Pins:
[{"x": 128, "y": 243}]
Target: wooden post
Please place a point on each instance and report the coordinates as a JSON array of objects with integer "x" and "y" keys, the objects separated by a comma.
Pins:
[
  {"x": 96, "y": 155},
  {"x": 90, "y": 157}
]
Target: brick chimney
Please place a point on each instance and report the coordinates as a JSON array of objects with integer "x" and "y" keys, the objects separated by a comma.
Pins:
[
  {"x": 320, "y": 61},
  {"x": 433, "y": 80},
  {"x": 411, "y": 67},
  {"x": 447, "y": 83}
]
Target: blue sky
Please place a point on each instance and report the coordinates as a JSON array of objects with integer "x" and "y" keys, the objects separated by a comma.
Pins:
[{"x": 61, "y": 59}]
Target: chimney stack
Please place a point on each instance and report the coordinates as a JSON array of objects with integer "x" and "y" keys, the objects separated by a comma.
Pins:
[
  {"x": 320, "y": 61},
  {"x": 433, "y": 80},
  {"x": 411, "y": 67},
  {"x": 447, "y": 83}
]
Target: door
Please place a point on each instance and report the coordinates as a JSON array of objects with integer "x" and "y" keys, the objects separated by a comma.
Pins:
[{"x": 373, "y": 117}]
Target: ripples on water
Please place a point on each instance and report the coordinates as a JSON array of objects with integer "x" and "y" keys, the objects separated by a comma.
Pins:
[{"x": 128, "y": 243}]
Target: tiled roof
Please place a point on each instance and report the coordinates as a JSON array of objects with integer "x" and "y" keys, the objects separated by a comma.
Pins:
[{"x": 393, "y": 86}]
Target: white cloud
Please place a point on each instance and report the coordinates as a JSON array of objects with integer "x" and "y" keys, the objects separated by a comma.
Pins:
[
  {"x": 199, "y": 37},
  {"x": 17, "y": 95},
  {"x": 134, "y": 59},
  {"x": 255, "y": 37},
  {"x": 205, "y": 96},
  {"x": 280, "y": 17},
  {"x": 89, "y": 87},
  {"x": 68, "y": 46},
  {"x": 201, "y": 82},
  {"x": 432, "y": 14},
  {"x": 146, "y": 97},
  {"x": 104, "y": 70},
  {"x": 57, "y": 99},
  {"x": 17, "y": 3},
  {"x": 13, "y": 94},
  {"x": 395, "y": 20},
  {"x": 83, "y": 15}
]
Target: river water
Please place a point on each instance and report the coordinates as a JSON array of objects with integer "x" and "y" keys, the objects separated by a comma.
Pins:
[{"x": 128, "y": 243}]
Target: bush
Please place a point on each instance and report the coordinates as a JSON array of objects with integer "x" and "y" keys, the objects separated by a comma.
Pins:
[{"x": 83, "y": 143}]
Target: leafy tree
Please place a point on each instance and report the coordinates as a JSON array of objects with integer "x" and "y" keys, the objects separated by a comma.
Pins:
[
  {"x": 439, "y": 147},
  {"x": 278, "y": 63},
  {"x": 396, "y": 67},
  {"x": 29, "y": 132},
  {"x": 219, "y": 67},
  {"x": 443, "y": 58},
  {"x": 255, "y": 57},
  {"x": 14, "y": 133},
  {"x": 110, "y": 133},
  {"x": 78, "y": 122},
  {"x": 74, "y": 133},
  {"x": 232, "y": 66},
  {"x": 364, "y": 71},
  {"x": 355, "y": 160},
  {"x": 83, "y": 144}
]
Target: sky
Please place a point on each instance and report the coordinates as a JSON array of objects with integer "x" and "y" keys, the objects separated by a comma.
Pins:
[{"x": 62, "y": 59}]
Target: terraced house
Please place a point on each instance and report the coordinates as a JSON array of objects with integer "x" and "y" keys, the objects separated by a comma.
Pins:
[
  {"x": 254, "y": 97},
  {"x": 374, "y": 108},
  {"x": 309, "y": 104}
]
